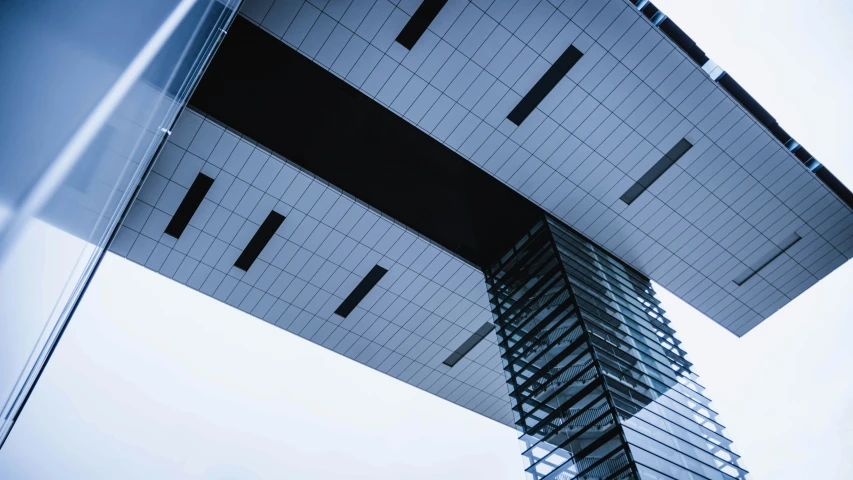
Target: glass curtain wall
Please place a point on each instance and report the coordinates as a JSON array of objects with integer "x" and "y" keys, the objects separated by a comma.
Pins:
[
  {"x": 599, "y": 385},
  {"x": 90, "y": 91}
]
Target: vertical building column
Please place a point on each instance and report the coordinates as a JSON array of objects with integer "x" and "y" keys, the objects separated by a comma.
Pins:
[
  {"x": 598, "y": 383},
  {"x": 559, "y": 399}
]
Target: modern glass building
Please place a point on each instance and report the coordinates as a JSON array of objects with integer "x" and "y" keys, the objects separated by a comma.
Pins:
[
  {"x": 472, "y": 197},
  {"x": 598, "y": 383}
]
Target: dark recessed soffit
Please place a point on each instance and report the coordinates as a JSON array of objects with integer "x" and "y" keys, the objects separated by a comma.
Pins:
[
  {"x": 361, "y": 290},
  {"x": 189, "y": 205},
  {"x": 264, "y": 89},
  {"x": 543, "y": 87},
  {"x": 259, "y": 240},
  {"x": 658, "y": 169},
  {"x": 419, "y": 22},
  {"x": 767, "y": 258},
  {"x": 469, "y": 344}
]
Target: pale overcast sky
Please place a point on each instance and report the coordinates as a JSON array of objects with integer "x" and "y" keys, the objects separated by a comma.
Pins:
[{"x": 154, "y": 380}]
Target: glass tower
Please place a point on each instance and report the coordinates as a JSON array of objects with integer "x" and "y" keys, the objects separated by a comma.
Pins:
[{"x": 599, "y": 385}]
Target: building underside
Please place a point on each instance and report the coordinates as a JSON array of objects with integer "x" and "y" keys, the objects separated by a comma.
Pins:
[{"x": 474, "y": 197}]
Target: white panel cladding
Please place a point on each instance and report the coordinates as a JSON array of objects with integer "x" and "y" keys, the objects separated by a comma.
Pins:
[
  {"x": 425, "y": 307},
  {"x": 632, "y": 96}
]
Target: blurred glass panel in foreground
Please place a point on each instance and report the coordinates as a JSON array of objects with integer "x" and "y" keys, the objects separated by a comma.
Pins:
[{"x": 89, "y": 92}]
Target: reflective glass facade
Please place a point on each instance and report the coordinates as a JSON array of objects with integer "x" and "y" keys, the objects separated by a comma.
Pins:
[
  {"x": 598, "y": 382},
  {"x": 91, "y": 91}
]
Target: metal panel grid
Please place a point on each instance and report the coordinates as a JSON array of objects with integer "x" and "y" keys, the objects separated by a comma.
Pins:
[
  {"x": 632, "y": 96},
  {"x": 427, "y": 304}
]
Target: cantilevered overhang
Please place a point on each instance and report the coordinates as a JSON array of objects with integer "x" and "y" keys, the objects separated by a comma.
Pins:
[
  {"x": 269, "y": 92},
  {"x": 738, "y": 225},
  {"x": 224, "y": 216}
]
